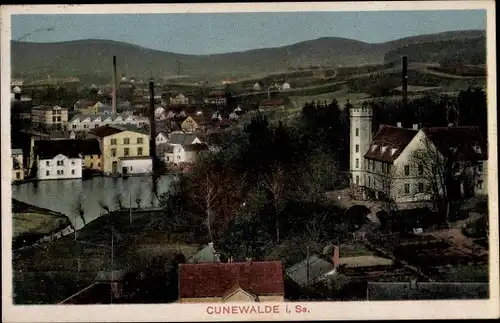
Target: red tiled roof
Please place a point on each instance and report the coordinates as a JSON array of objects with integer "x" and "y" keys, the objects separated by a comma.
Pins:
[
  {"x": 462, "y": 138},
  {"x": 275, "y": 102},
  {"x": 215, "y": 279},
  {"x": 391, "y": 138}
]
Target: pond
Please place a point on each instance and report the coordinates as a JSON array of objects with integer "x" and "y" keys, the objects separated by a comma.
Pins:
[{"x": 62, "y": 195}]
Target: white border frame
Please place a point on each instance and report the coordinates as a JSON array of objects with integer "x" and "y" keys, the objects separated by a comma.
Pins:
[{"x": 197, "y": 312}]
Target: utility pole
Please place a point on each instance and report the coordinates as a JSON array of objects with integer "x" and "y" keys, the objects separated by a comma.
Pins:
[
  {"x": 112, "y": 259},
  {"x": 130, "y": 204},
  {"x": 307, "y": 267}
]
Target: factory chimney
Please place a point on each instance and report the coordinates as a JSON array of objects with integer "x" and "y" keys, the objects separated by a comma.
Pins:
[
  {"x": 405, "y": 80},
  {"x": 113, "y": 108},
  {"x": 152, "y": 126}
]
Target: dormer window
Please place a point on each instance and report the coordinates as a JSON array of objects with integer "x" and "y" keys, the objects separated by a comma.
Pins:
[
  {"x": 393, "y": 151},
  {"x": 374, "y": 147},
  {"x": 384, "y": 148}
]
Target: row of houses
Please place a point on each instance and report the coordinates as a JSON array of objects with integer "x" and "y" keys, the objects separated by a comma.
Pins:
[
  {"x": 111, "y": 150},
  {"x": 268, "y": 281}
]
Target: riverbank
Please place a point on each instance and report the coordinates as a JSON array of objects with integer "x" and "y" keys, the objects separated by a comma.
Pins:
[{"x": 31, "y": 223}]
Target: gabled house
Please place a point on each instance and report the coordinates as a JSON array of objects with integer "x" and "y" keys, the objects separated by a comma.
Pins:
[
  {"x": 189, "y": 125},
  {"x": 161, "y": 138},
  {"x": 56, "y": 161},
  {"x": 82, "y": 122},
  {"x": 205, "y": 255},
  {"x": 182, "y": 139},
  {"x": 259, "y": 281}
]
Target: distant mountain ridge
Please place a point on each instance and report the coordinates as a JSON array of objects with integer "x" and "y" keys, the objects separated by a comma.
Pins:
[{"x": 92, "y": 58}]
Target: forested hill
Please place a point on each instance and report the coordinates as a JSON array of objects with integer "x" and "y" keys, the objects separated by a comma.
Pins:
[{"x": 91, "y": 59}]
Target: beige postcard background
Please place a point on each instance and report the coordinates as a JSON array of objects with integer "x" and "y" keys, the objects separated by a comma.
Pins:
[{"x": 191, "y": 312}]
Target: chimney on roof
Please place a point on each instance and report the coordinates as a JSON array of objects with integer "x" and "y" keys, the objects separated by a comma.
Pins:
[
  {"x": 399, "y": 125},
  {"x": 415, "y": 126},
  {"x": 405, "y": 80},
  {"x": 152, "y": 124},
  {"x": 114, "y": 86},
  {"x": 336, "y": 256}
]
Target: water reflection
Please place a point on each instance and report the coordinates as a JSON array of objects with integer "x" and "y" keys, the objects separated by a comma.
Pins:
[{"x": 62, "y": 195}]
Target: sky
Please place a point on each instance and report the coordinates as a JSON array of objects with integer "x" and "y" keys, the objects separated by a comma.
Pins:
[{"x": 203, "y": 33}]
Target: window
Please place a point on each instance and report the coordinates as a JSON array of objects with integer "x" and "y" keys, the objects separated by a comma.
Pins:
[
  {"x": 139, "y": 151},
  {"x": 47, "y": 173},
  {"x": 139, "y": 140},
  {"x": 369, "y": 181},
  {"x": 407, "y": 170},
  {"x": 357, "y": 180},
  {"x": 86, "y": 126},
  {"x": 72, "y": 163},
  {"x": 420, "y": 170},
  {"x": 357, "y": 162},
  {"x": 126, "y": 141},
  {"x": 113, "y": 152},
  {"x": 420, "y": 187},
  {"x": 480, "y": 168},
  {"x": 357, "y": 132},
  {"x": 18, "y": 175},
  {"x": 98, "y": 164},
  {"x": 126, "y": 152},
  {"x": 178, "y": 157},
  {"x": 47, "y": 163},
  {"x": 357, "y": 148},
  {"x": 479, "y": 184},
  {"x": 54, "y": 119},
  {"x": 74, "y": 126},
  {"x": 407, "y": 188},
  {"x": 62, "y": 171},
  {"x": 72, "y": 172},
  {"x": 60, "y": 163},
  {"x": 113, "y": 142},
  {"x": 58, "y": 119},
  {"x": 91, "y": 165}
]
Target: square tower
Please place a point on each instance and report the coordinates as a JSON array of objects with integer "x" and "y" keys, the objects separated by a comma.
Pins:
[{"x": 360, "y": 139}]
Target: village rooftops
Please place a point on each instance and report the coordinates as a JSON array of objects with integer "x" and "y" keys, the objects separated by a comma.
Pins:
[
  {"x": 102, "y": 116},
  {"x": 209, "y": 280},
  {"x": 71, "y": 148},
  {"x": 381, "y": 291},
  {"x": 395, "y": 139}
]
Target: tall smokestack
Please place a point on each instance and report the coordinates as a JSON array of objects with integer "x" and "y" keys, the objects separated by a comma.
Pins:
[
  {"x": 405, "y": 80},
  {"x": 113, "y": 108},
  {"x": 152, "y": 126}
]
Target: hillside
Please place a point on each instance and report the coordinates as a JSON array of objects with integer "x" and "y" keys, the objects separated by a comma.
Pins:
[{"x": 91, "y": 59}]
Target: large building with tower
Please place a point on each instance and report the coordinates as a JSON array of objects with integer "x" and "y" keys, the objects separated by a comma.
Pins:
[{"x": 407, "y": 164}]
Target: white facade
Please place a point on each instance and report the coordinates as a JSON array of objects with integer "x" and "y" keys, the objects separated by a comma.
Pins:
[
  {"x": 59, "y": 167},
  {"x": 285, "y": 86},
  {"x": 136, "y": 166},
  {"x": 360, "y": 139},
  {"x": 256, "y": 86}
]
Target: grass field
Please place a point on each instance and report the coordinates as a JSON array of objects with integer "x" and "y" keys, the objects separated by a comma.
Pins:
[{"x": 51, "y": 272}]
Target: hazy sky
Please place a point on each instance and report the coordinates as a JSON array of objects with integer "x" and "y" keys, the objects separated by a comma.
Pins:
[{"x": 227, "y": 32}]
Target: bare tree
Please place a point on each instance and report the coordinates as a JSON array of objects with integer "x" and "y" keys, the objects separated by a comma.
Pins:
[
  {"x": 118, "y": 201},
  {"x": 207, "y": 194},
  {"x": 274, "y": 182},
  {"x": 440, "y": 173},
  {"x": 104, "y": 206},
  {"x": 138, "y": 198},
  {"x": 79, "y": 212}
]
